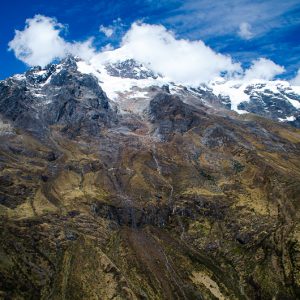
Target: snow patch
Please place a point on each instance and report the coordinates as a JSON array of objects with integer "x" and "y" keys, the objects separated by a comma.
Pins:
[
  {"x": 287, "y": 119},
  {"x": 114, "y": 86},
  {"x": 233, "y": 89},
  {"x": 295, "y": 103},
  {"x": 19, "y": 77}
]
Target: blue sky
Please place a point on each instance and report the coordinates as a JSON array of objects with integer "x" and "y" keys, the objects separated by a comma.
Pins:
[{"x": 243, "y": 29}]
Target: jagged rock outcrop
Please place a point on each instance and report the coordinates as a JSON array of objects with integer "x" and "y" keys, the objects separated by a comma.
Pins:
[{"x": 130, "y": 68}]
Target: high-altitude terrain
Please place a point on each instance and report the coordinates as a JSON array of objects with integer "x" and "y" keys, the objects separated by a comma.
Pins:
[{"x": 117, "y": 184}]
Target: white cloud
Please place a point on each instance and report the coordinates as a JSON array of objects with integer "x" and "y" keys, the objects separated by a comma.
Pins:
[
  {"x": 181, "y": 60},
  {"x": 108, "y": 31},
  {"x": 263, "y": 68},
  {"x": 245, "y": 31},
  {"x": 40, "y": 42},
  {"x": 84, "y": 50},
  {"x": 296, "y": 79}
]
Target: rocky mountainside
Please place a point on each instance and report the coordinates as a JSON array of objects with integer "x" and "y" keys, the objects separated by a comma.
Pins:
[{"x": 118, "y": 184}]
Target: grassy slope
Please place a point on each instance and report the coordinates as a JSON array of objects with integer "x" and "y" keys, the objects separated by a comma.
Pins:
[{"x": 128, "y": 217}]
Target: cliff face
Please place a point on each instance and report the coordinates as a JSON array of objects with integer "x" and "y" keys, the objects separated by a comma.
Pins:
[{"x": 173, "y": 200}]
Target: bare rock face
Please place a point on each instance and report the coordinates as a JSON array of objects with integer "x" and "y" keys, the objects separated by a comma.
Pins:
[
  {"x": 170, "y": 115},
  {"x": 59, "y": 96},
  {"x": 272, "y": 105},
  {"x": 178, "y": 201},
  {"x": 130, "y": 69}
]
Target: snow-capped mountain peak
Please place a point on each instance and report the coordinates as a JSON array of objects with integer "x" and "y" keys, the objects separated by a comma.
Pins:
[
  {"x": 128, "y": 79},
  {"x": 275, "y": 99},
  {"x": 128, "y": 84}
]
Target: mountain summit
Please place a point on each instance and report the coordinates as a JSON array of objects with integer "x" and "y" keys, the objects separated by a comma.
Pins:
[
  {"x": 116, "y": 183},
  {"x": 127, "y": 82}
]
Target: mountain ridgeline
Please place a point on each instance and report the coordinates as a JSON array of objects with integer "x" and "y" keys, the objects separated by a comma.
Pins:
[{"x": 117, "y": 184}]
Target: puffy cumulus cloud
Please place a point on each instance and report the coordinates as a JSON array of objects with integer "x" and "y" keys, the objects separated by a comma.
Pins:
[
  {"x": 263, "y": 68},
  {"x": 40, "y": 42},
  {"x": 181, "y": 60},
  {"x": 245, "y": 31},
  {"x": 296, "y": 79}
]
